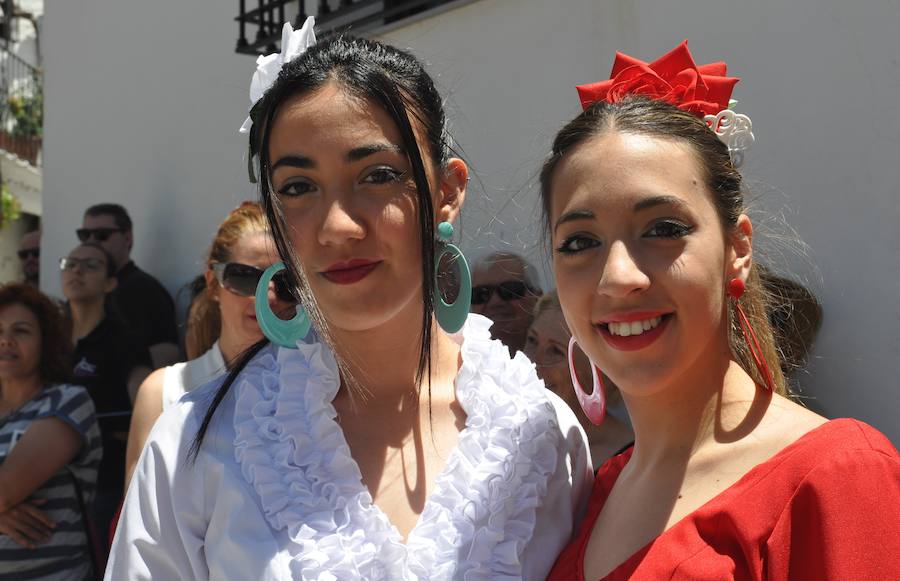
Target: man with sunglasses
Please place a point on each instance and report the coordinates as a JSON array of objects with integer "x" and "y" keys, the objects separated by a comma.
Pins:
[
  {"x": 30, "y": 256},
  {"x": 139, "y": 299},
  {"x": 505, "y": 290}
]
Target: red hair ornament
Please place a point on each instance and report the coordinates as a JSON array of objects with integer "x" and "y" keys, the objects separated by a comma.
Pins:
[{"x": 704, "y": 90}]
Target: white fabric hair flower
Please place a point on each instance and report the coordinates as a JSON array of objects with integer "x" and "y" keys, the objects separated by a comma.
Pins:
[{"x": 293, "y": 44}]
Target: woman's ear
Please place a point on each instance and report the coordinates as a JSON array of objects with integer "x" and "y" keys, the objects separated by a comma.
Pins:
[
  {"x": 454, "y": 179},
  {"x": 212, "y": 285},
  {"x": 740, "y": 250}
]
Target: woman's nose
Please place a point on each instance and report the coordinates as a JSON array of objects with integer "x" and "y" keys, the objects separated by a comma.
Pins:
[
  {"x": 340, "y": 225},
  {"x": 622, "y": 274}
]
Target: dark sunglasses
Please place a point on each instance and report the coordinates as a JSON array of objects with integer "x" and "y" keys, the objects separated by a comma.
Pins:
[
  {"x": 508, "y": 291},
  {"x": 29, "y": 253},
  {"x": 98, "y": 234},
  {"x": 90, "y": 264},
  {"x": 242, "y": 280}
]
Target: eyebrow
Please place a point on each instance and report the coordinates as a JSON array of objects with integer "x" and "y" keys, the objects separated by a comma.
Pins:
[
  {"x": 359, "y": 153},
  {"x": 573, "y": 216},
  {"x": 298, "y": 161},
  {"x": 645, "y": 204},
  {"x": 355, "y": 154},
  {"x": 654, "y": 201}
]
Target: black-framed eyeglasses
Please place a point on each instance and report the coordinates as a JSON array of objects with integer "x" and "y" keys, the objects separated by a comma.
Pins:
[
  {"x": 98, "y": 234},
  {"x": 508, "y": 290},
  {"x": 90, "y": 264},
  {"x": 27, "y": 253},
  {"x": 242, "y": 280}
]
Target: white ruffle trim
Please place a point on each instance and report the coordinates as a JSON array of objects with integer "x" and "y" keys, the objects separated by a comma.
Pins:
[{"x": 482, "y": 513}]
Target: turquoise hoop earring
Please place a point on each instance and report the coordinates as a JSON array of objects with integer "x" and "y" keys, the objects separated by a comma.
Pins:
[
  {"x": 451, "y": 318},
  {"x": 282, "y": 333}
]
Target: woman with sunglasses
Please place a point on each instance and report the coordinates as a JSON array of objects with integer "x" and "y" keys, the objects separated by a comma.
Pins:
[
  {"x": 395, "y": 440},
  {"x": 504, "y": 289},
  {"x": 653, "y": 255},
  {"x": 108, "y": 360},
  {"x": 222, "y": 320}
]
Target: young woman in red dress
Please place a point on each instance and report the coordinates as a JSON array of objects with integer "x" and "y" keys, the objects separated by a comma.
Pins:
[{"x": 653, "y": 254}]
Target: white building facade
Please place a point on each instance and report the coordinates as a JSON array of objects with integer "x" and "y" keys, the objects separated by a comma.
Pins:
[{"x": 143, "y": 101}]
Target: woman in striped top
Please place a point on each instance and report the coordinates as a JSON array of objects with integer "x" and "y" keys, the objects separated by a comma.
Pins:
[{"x": 49, "y": 445}]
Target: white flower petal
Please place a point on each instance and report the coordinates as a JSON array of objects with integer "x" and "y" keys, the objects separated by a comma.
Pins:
[
  {"x": 245, "y": 128},
  {"x": 293, "y": 44}
]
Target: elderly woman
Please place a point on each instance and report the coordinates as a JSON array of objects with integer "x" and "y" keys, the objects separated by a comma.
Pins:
[
  {"x": 49, "y": 444},
  {"x": 546, "y": 345}
]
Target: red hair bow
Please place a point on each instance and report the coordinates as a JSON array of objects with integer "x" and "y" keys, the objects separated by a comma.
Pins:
[{"x": 674, "y": 78}]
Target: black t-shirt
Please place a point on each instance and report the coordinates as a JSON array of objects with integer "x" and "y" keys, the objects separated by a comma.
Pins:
[
  {"x": 143, "y": 304},
  {"x": 104, "y": 358}
]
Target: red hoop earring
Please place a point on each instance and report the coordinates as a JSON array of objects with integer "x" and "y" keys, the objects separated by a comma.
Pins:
[
  {"x": 593, "y": 405},
  {"x": 736, "y": 288}
]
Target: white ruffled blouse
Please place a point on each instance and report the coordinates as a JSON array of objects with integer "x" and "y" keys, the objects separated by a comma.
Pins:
[{"x": 275, "y": 494}]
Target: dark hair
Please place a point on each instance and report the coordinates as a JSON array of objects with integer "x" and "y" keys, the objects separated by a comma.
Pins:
[
  {"x": 395, "y": 81},
  {"x": 110, "y": 263},
  {"x": 118, "y": 212},
  {"x": 645, "y": 116},
  {"x": 56, "y": 349}
]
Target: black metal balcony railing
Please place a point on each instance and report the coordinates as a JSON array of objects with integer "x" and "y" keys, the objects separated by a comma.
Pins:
[
  {"x": 21, "y": 107},
  {"x": 259, "y": 28}
]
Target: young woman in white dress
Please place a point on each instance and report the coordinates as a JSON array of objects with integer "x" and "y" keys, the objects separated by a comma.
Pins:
[{"x": 379, "y": 445}]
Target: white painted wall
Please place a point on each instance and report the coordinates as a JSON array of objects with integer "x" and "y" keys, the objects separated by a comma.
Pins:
[{"x": 143, "y": 101}]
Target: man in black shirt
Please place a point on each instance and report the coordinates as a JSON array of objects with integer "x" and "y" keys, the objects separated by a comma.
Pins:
[{"x": 139, "y": 299}]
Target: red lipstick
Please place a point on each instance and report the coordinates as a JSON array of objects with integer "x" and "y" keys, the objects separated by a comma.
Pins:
[
  {"x": 633, "y": 342},
  {"x": 351, "y": 271}
]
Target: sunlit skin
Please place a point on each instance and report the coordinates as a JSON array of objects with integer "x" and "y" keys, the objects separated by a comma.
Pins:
[
  {"x": 636, "y": 230},
  {"x": 669, "y": 257},
  {"x": 344, "y": 183}
]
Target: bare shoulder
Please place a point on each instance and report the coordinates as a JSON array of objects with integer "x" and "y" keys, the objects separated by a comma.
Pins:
[
  {"x": 786, "y": 422},
  {"x": 154, "y": 382},
  {"x": 149, "y": 396}
]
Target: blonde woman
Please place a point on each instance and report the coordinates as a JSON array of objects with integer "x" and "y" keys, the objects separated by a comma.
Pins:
[{"x": 222, "y": 323}]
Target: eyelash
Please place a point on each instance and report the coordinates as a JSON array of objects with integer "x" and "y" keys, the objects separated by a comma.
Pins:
[
  {"x": 566, "y": 246},
  {"x": 391, "y": 174},
  {"x": 285, "y": 189},
  {"x": 378, "y": 176},
  {"x": 667, "y": 229},
  {"x": 675, "y": 229}
]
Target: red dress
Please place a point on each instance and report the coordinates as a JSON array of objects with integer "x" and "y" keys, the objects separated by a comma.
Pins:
[{"x": 825, "y": 507}]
